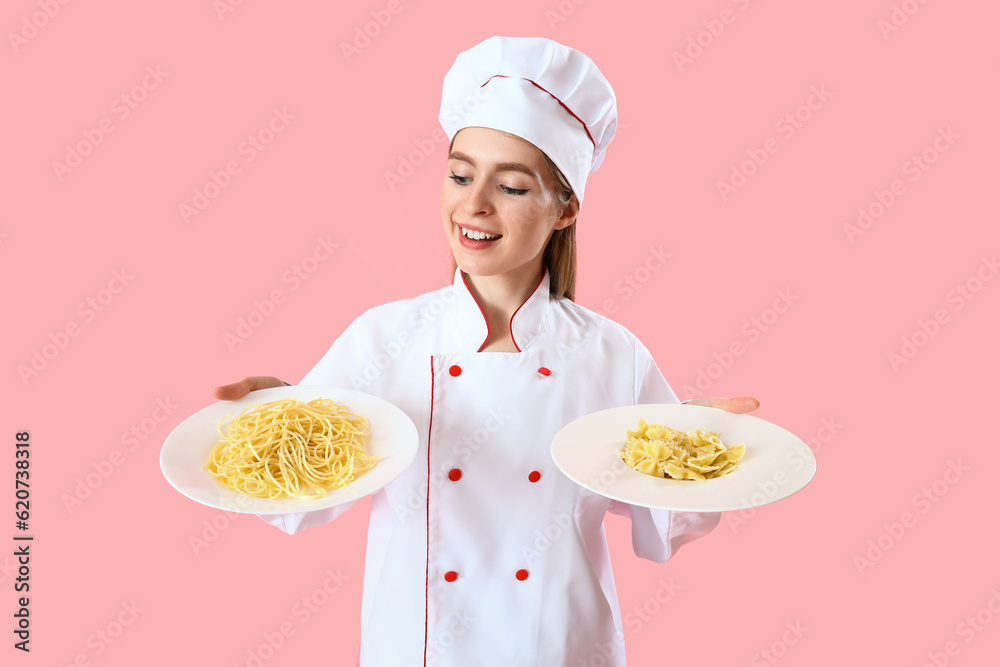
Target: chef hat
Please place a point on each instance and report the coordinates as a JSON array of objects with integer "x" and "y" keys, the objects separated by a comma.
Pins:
[{"x": 546, "y": 93}]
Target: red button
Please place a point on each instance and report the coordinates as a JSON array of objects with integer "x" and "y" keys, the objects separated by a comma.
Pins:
[
  {"x": 454, "y": 474},
  {"x": 534, "y": 476},
  {"x": 544, "y": 371},
  {"x": 452, "y": 576},
  {"x": 521, "y": 575},
  {"x": 455, "y": 371}
]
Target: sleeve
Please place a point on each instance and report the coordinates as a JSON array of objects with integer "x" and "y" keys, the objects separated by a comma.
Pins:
[
  {"x": 337, "y": 368},
  {"x": 658, "y": 534},
  {"x": 342, "y": 363}
]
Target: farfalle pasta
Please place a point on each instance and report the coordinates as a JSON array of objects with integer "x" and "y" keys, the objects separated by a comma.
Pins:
[{"x": 661, "y": 451}]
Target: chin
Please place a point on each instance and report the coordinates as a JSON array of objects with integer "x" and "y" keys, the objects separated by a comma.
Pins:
[
  {"x": 473, "y": 269},
  {"x": 476, "y": 268}
]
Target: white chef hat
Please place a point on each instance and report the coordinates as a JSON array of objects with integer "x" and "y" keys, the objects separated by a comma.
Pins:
[{"x": 544, "y": 92}]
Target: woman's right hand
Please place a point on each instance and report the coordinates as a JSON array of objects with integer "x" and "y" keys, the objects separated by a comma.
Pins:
[{"x": 230, "y": 392}]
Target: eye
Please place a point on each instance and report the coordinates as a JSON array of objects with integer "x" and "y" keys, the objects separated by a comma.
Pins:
[{"x": 464, "y": 180}]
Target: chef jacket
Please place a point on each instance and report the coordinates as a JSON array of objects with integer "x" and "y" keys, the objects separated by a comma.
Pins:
[{"x": 482, "y": 553}]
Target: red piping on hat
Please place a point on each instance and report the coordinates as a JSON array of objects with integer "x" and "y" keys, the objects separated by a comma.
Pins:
[{"x": 553, "y": 97}]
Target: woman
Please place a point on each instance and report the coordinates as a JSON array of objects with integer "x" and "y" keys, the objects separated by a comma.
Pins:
[{"x": 482, "y": 552}]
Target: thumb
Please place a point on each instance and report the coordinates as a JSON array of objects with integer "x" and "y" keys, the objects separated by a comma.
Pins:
[
  {"x": 738, "y": 405},
  {"x": 231, "y": 392}
]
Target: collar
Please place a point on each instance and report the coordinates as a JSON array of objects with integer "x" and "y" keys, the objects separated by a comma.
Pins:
[{"x": 470, "y": 322}]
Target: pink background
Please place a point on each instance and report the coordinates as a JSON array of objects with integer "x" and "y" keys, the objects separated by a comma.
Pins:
[{"x": 897, "y": 428}]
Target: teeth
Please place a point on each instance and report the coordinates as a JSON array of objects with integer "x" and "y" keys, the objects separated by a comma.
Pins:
[{"x": 477, "y": 236}]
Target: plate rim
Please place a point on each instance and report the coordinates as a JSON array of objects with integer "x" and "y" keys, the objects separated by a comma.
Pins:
[
  {"x": 410, "y": 444},
  {"x": 803, "y": 478}
]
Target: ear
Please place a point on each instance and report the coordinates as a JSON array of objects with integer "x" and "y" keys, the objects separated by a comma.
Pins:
[{"x": 569, "y": 213}]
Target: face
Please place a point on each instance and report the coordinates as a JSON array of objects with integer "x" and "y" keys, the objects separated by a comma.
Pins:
[{"x": 499, "y": 205}]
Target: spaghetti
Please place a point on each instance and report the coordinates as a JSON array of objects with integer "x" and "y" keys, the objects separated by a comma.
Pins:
[{"x": 291, "y": 449}]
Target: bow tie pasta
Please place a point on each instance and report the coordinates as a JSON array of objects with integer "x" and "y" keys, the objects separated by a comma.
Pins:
[{"x": 661, "y": 451}]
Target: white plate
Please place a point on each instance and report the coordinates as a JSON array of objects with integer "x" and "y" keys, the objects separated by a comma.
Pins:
[
  {"x": 393, "y": 438},
  {"x": 776, "y": 463}
]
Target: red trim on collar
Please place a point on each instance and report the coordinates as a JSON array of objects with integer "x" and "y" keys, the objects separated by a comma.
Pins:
[
  {"x": 462, "y": 273},
  {"x": 521, "y": 306},
  {"x": 553, "y": 97}
]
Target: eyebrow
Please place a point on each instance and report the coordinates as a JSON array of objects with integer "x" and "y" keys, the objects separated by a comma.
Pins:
[{"x": 499, "y": 166}]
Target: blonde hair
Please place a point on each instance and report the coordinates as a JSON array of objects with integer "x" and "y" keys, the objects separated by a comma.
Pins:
[{"x": 559, "y": 258}]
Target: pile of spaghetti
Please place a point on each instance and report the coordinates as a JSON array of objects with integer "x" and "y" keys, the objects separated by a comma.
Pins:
[
  {"x": 663, "y": 452},
  {"x": 291, "y": 449}
]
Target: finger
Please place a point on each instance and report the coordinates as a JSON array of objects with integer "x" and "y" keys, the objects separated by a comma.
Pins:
[
  {"x": 231, "y": 392},
  {"x": 737, "y": 405}
]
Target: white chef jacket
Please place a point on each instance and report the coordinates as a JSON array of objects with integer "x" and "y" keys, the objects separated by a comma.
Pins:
[{"x": 482, "y": 553}]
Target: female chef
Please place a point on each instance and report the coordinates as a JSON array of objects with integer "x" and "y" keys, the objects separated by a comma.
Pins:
[{"x": 482, "y": 552}]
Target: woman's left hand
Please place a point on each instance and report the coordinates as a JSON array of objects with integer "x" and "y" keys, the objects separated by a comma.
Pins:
[{"x": 737, "y": 405}]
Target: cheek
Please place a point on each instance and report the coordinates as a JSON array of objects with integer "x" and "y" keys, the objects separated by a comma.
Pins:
[
  {"x": 543, "y": 209},
  {"x": 448, "y": 203},
  {"x": 534, "y": 217}
]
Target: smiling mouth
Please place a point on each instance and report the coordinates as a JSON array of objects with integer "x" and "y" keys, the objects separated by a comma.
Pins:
[{"x": 478, "y": 236}]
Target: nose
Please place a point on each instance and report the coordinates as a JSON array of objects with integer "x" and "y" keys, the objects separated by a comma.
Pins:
[{"x": 478, "y": 197}]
